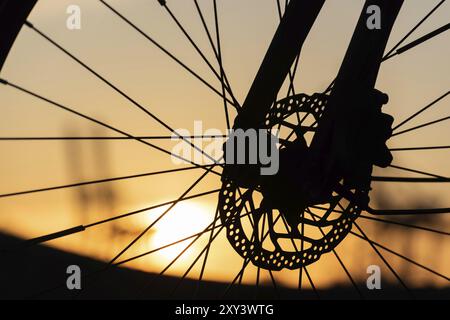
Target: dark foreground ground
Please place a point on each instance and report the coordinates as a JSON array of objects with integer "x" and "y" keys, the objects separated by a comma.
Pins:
[{"x": 39, "y": 273}]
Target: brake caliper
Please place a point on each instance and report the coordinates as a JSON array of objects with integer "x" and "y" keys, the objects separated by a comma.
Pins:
[{"x": 360, "y": 140}]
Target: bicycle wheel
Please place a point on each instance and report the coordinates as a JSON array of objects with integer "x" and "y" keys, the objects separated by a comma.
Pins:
[{"x": 211, "y": 223}]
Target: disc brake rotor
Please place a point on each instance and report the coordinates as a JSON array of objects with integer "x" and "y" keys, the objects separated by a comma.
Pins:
[{"x": 274, "y": 238}]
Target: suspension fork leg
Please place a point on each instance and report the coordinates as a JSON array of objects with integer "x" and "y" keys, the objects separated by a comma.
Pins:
[
  {"x": 284, "y": 48},
  {"x": 355, "y": 82}
]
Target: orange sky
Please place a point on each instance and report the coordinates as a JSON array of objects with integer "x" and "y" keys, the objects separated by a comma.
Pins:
[{"x": 412, "y": 80}]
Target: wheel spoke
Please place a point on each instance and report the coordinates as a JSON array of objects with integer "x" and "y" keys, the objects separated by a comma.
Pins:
[
  {"x": 258, "y": 271},
  {"x": 260, "y": 236},
  {"x": 419, "y": 148},
  {"x": 428, "y": 106},
  {"x": 302, "y": 247},
  {"x": 410, "y": 180},
  {"x": 417, "y": 171},
  {"x": 405, "y": 225},
  {"x": 208, "y": 136},
  {"x": 421, "y": 126},
  {"x": 274, "y": 283},
  {"x": 219, "y": 58},
  {"x": 292, "y": 75},
  {"x": 420, "y": 40},
  {"x": 79, "y": 184},
  {"x": 392, "y": 212},
  {"x": 311, "y": 282},
  {"x": 200, "y": 277}
]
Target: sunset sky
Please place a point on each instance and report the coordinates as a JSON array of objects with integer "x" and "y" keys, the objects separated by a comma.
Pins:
[{"x": 112, "y": 48}]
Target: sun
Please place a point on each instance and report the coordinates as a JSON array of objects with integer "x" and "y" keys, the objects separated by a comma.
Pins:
[{"x": 184, "y": 220}]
